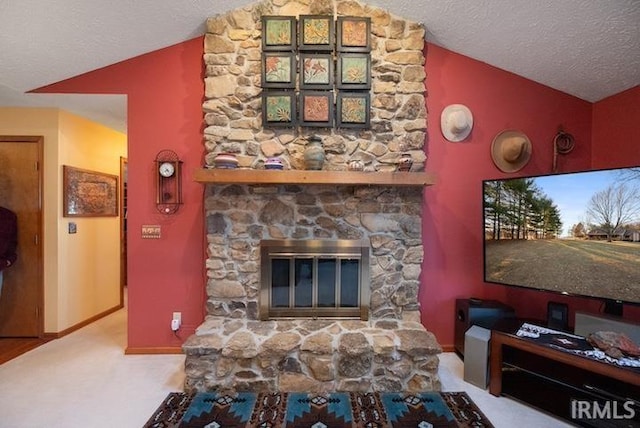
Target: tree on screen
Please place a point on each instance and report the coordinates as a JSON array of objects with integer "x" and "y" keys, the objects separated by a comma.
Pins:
[
  {"x": 518, "y": 209},
  {"x": 614, "y": 207}
]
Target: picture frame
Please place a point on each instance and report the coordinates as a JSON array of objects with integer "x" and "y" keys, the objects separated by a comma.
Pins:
[
  {"x": 354, "y": 34},
  {"x": 279, "y": 70},
  {"x": 279, "y": 109},
  {"x": 353, "y": 110},
  {"x": 279, "y": 33},
  {"x": 353, "y": 71},
  {"x": 316, "y": 71},
  {"x": 316, "y": 108},
  {"x": 317, "y": 33},
  {"x": 89, "y": 193}
]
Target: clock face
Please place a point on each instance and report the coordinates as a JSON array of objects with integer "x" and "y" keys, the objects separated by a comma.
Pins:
[{"x": 167, "y": 169}]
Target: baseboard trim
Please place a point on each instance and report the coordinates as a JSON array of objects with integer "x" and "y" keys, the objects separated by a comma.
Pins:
[
  {"x": 152, "y": 350},
  {"x": 448, "y": 348},
  {"x": 84, "y": 323}
]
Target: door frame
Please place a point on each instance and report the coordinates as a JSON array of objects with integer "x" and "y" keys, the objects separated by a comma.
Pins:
[
  {"x": 39, "y": 140},
  {"x": 123, "y": 226}
]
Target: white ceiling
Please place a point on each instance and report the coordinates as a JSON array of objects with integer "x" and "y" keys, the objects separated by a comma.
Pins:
[{"x": 586, "y": 48}]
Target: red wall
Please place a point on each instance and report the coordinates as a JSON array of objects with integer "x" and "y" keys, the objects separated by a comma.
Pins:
[
  {"x": 616, "y": 130},
  {"x": 616, "y": 138},
  {"x": 499, "y": 100},
  {"x": 165, "y": 93},
  {"x": 606, "y": 135},
  {"x": 164, "y": 106}
]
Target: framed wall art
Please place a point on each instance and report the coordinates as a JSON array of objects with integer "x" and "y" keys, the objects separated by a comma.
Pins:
[
  {"x": 316, "y": 33},
  {"x": 279, "y": 70},
  {"x": 353, "y": 110},
  {"x": 316, "y": 71},
  {"x": 278, "y": 108},
  {"x": 316, "y": 108},
  {"x": 89, "y": 193},
  {"x": 279, "y": 33},
  {"x": 354, "y": 34},
  {"x": 354, "y": 71}
]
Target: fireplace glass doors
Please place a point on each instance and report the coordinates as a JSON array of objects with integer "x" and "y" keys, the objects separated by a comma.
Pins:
[{"x": 314, "y": 278}]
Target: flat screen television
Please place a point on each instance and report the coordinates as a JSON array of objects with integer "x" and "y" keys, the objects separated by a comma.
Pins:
[{"x": 574, "y": 233}]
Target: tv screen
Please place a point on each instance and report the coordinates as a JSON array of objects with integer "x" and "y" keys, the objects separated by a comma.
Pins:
[{"x": 574, "y": 233}]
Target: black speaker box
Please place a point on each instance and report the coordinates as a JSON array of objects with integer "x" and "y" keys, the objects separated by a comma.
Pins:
[
  {"x": 558, "y": 316},
  {"x": 484, "y": 313}
]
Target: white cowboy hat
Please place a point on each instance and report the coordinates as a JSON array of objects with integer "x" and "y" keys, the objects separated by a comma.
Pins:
[
  {"x": 456, "y": 122},
  {"x": 510, "y": 150}
]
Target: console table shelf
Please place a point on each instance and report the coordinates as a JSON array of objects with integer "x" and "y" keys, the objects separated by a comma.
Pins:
[
  {"x": 550, "y": 379},
  {"x": 337, "y": 178}
]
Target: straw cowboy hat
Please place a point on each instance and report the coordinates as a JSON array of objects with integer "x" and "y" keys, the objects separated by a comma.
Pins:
[
  {"x": 510, "y": 150},
  {"x": 456, "y": 122}
]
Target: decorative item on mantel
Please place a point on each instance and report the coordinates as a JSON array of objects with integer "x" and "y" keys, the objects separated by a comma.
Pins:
[
  {"x": 274, "y": 163},
  {"x": 225, "y": 161},
  {"x": 314, "y": 154},
  {"x": 356, "y": 165},
  {"x": 405, "y": 162}
]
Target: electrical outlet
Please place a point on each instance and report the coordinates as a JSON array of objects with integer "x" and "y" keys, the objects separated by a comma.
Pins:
[
  {"x": 176, "y": 321},
  {"x": 175, "y": 325}
]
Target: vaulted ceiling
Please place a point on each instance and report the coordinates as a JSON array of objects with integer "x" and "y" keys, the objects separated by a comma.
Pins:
[{"x": 589, "y": 49}]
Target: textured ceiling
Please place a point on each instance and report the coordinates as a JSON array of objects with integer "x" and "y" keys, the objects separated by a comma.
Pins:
[{"x": 586, "y": 48}]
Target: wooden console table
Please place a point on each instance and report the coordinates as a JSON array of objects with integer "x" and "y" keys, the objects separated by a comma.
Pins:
[
  {"x": 549, "y": 378},
  {"x": 500, "y": 339}
]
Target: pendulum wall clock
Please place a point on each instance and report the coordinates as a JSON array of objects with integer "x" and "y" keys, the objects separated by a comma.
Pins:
[{"x": 168, "y": 182}]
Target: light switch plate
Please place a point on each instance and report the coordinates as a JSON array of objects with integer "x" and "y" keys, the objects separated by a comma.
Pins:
[{"x": 150, "y": 231}]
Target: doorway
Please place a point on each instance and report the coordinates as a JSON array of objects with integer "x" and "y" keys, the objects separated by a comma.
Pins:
[{"x": 22, "y": 300}]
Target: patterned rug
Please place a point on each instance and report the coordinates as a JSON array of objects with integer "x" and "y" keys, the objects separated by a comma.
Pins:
[{"x": 335, "y": 410}]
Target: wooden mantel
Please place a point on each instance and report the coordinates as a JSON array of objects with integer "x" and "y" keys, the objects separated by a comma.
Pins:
[{"x": 336, "y": 178}]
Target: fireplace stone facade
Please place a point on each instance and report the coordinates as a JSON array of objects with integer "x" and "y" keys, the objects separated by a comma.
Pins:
[
  {"x": 239, "y": 217},
  {"x": 233, "y": 349}
]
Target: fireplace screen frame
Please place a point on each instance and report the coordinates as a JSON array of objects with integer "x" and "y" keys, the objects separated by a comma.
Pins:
[{"x": 314, "y": 249}]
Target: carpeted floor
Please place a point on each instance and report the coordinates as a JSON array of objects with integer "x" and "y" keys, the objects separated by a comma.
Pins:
[{"x": 335, "y": 410}]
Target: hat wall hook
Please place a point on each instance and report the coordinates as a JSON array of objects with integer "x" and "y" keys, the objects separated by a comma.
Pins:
[{"x": 563, "y": 143}]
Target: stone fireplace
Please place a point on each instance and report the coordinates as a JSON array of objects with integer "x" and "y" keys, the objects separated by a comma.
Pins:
[{"x": 382, "y": 346}]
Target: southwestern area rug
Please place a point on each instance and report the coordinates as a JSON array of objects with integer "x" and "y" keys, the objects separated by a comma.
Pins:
[{"x": 335, "y": 410}]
